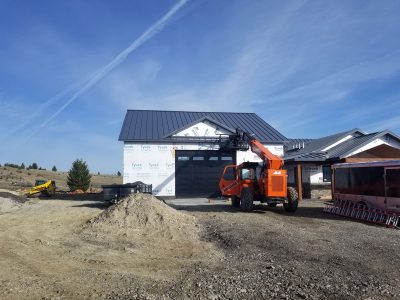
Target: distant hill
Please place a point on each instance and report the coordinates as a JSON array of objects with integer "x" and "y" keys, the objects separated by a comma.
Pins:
[{"x": 14, "y": 179}]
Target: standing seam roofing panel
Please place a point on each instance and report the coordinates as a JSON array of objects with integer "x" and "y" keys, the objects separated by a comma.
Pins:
[
  {"x": 155, "y": 125},
  {"x": 132, "y": 123},
  {"x": 125, "y": 128},
  {"x": 255, "y": 129},
  {"x": 271, "y": 131},
  {"x": 168, "y": 126}
]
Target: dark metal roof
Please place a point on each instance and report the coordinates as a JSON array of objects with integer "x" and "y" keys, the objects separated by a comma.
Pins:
[
  {"x": 346, "y": 148},
  {"x": 317, "y": 145},
  {"x": 351, "y": 145},
  {"x": 313, "y": 150},
  {"x": 313, "y": 156},
  {"x": 296, "y": 143},
  {"x": 153, "y": 125}
]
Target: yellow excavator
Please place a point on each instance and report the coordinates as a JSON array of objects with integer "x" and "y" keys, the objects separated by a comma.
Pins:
[{"x": 45, "y": 188}]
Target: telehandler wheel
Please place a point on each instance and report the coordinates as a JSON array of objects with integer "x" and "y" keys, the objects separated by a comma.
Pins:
[
  {"x": 246, "y": 201},
  {"x": 235, "y": 201},
  {"x": 293, "y": 200}
]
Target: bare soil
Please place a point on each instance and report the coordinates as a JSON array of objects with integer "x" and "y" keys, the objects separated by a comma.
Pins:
[
  {"x": 15, "y": 179},
  {"x": 66, "y": 249}
]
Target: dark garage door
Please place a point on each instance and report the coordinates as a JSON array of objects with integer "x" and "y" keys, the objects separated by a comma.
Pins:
[{"x": 197, "y": 173}]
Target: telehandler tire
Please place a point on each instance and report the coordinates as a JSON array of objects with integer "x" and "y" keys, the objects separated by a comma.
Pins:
[
  {"x": 235, "y": 201},
  {"x": 246, "y": 201},
  {"x": 292, "y": 200}
]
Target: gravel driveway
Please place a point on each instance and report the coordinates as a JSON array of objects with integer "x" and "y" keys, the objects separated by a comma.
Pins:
[{"x": 266, "y": 254}]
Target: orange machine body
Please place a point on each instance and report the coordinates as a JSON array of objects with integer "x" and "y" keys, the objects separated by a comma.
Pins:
[{"x": 264, "y": 183}]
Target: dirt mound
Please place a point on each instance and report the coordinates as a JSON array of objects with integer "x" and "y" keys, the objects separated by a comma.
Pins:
[
  {"x": 144, "y": 225},
  {"x": 8, "y": 205},
  {"x": 143, "y": 213},
  {"x": 12, "y": 195}
]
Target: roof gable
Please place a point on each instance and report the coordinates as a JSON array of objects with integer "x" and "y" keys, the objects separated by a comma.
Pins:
[
  {"x": 322, "y": 144},
  {"x": 160, "y": 126},
  {"x": 313, "y": 151},
  {"x": 353, "y": 145},
  {"x": 203, "y": 127}
]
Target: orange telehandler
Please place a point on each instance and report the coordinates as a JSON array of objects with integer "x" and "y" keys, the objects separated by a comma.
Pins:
[{"x": 250, "y": 181}]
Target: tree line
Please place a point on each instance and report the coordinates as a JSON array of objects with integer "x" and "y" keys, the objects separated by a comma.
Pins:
[{"x": 33, "y": 166}]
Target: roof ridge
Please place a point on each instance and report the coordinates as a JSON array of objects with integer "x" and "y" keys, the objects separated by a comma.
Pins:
[{"x": 192, "y": 111}]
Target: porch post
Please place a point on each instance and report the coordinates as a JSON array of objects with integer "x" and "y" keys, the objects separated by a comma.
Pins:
[{"x": 299, "y": 182}]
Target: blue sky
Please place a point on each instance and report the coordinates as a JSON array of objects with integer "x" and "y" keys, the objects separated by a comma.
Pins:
[{"x": 309, "y": 68}]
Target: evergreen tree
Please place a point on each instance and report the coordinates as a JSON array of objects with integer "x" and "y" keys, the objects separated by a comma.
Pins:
[
  {"x": 118, "y": 173},
  {"x": 22, "y": 167},
  {"x": 54, "y": 169},
  {"x": 79, "y": 176},
  {"x": 34, "y": 166}
]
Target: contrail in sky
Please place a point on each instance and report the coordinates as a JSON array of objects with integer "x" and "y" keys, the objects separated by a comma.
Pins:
[
  {"x": 37, "y": 111},
  {"x": 120, "y": 58}
]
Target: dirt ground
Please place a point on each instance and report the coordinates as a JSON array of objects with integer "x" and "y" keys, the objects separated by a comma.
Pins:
[{"x": 46, "y": 253}]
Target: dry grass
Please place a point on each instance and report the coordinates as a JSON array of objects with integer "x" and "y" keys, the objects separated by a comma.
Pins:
[{"x": 14, "y": 179}]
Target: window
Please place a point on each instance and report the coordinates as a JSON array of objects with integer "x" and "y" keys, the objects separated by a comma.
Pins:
[
  {"x": 213, "y": 158},
  {"x": 393, "y": 183},
  {"x": 226, "y": 158},
  {"x": 198, "y": 158},
  {"x": 183, "y": 157},
  {"x": 327, "y": 173},
  {"x": 367, "y": 181},
  {"x": 248, "y": 174},
  {"x": 230, "y": 174}
]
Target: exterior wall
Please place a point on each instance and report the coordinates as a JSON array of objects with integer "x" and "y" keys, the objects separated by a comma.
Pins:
[
  {"x": 311, "y": 173},
  {"x": 244, "y": 156},
  {"x": 290, "y": 172},
  {"x": 312, "y": 179},
  {"x": 155, "y": 164}
]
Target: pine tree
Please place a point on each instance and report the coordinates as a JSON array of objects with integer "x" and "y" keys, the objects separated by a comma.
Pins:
[
  {"x": 79, "y": 176},
  {"x": 22, "y": 167},
  {"x": 118, "y": 173},
  {"x": 54, "y": 169},
  {"x": 34, "y": 166}
]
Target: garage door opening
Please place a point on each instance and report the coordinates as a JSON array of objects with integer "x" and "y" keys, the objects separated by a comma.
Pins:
[{"x": 197, "y": 172}]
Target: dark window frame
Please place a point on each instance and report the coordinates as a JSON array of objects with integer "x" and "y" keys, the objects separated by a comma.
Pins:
[{"x": 326, "y": 173}]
